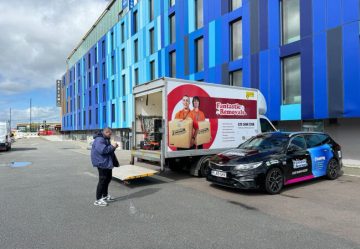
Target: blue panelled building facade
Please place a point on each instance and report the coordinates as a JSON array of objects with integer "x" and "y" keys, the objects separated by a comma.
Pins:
[{"x": 304, "y": 56}]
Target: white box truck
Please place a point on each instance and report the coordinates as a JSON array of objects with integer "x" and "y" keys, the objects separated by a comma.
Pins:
[
  {"x": 180, "y": 123},
  {"x": 5, "y": 136}
]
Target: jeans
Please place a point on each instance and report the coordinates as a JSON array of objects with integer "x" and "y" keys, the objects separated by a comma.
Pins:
[{"x": 105, "y": 176}]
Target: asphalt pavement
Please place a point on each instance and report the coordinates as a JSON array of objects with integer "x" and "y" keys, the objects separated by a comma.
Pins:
[{"x": 49, "y": 204}]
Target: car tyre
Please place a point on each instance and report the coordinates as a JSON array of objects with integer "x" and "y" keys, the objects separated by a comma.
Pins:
[
  {"x": 333, "y": 168},
  {"x": 204, "y": 165},
  {"x": 274, "y": 181}
]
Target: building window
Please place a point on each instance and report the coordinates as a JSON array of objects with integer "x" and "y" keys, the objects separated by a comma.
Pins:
[
  {"x": 123, "y": 58},
  {"x": 136, "y": 76},
  {"x": 89, "y": 117},
  {"x": 79, "y": 86},
  {"x": 113, "y": 113},
  {"x": 97, "y": 116},
  {"x": 104, "y": 92},
  {"x": 235, "y": 4},
  {"x": 113, "y": 89},
  {"x": 290, "y": 18},
  {"x": 236, "y": 78},
  {"x": 96, "y": 96},
  {"x": 78, "y": 69},
  {"x": 172, "y": 62},
  {"x": 199, "y": 14},
  {"x": 112, "y": 40},
  {"x": 79, "y": 119},
  {"x": 152, "y": 70},
  {"x": 103, "y": 71},
  {"x": 104, "y": 114},
  {"x": 152, "y": 41},
  {"x": 199, "y": 53},
  {"x": 171, "y": 3},
  {"x": 84, "y": 118},
  {"x": 123, "y": 79},
  {"x": 96, "y": 76},
  {"x": 124, "y": 111},
  {"x": 89, "y": 60},
  {"x": 135, "y": 23},
  {"x": 151, "y": 9},
  {"x": 136, "y": 52},
  {"x": 172, "y": 26},
  {"x": 113, "y": 65},
  {"x": 122, "y": 32},
  {"x": 90, "y": 98},
  {"x": 89, "y": 79},
  {"x": 291, "y": 80},
  {"x": 103, "y": 49},
  {"x": 236, "y": 40},
  {"x": 79, "y": 102},
  {"x": 95, "y": 54}
]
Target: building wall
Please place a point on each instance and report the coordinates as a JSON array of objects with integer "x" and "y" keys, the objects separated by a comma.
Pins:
[{"x": 328, "y": 48}]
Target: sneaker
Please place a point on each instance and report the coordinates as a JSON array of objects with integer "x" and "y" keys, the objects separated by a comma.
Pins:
[
  {"x": 101, "y": 203},
  {"x": 108, "y": 198}
]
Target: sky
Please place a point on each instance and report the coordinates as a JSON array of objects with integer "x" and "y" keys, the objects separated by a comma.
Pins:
[{"x": 36, "y": 37}]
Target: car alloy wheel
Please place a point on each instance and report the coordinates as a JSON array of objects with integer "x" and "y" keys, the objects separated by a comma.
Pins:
[
  {"x": 332, "y": 169},
  {"x": 274, "y": 181}
]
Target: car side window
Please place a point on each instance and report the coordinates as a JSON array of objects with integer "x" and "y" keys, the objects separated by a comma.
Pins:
[
  {"x": 323, "y": 139},
  {"x": 298, "y": 143},
  {"x": 312, "y": 141},
  {"x": 266, "y": 126}
]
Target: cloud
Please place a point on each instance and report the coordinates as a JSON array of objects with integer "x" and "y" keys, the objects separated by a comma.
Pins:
[
  {"x": 38, "y": 114},
  {"x": 36, "y": 38}
]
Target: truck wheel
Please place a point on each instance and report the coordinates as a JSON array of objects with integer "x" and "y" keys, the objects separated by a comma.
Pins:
[
  {"x": 332, "y": 171},
  {"x": 274, "y": 181},
  {"x": 203, "y": 165}
]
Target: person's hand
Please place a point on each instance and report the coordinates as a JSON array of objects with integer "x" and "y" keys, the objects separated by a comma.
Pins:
[{"x": 115, "y": 144}]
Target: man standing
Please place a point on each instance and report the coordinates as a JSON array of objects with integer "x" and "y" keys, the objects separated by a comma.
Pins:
[{"x": 104, "y": 159}]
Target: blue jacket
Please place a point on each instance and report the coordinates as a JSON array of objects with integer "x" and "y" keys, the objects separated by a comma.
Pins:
[{"x": 103, "y": 153}]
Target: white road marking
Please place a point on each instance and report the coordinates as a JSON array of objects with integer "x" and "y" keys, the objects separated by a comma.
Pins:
[{"x": 90, "y": 174}]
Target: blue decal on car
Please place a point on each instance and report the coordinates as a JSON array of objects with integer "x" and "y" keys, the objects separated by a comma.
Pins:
[{"x": 320, "y": 157}]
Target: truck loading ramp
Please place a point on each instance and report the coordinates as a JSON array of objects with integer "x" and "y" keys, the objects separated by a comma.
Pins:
[{"x": 130, "y": 172}]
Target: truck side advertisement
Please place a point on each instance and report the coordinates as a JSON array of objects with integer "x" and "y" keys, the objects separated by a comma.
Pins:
[{"x": 200, "y": 117}]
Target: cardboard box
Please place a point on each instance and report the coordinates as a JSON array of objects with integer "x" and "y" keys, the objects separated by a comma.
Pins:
[
  {"x": 204, "y": 133},
  {"x": 180, "y": 133}
]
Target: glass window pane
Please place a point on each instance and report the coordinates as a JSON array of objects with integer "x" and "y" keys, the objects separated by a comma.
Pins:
[
  {"x": 136, "y": 53},
  {"x": 290, "y": 20},
  {"x": 292, "y": 80},
  {"x": 124, "y": 111},
  {"x": 136, "y": 72},
  {"x": 172, "y": 3},
  {"x": 173, "y": 64},
  {"x": 151, "y": 9},
  {"x": 172, "y": 29},
  {"x": 235, "y": 4},
  {"x": 152, "y": 70},
  {"x": 236, "y": 40},
  {"x": 152, "y": 41},
  {"x": 124, "y": 84},
  {"x": 199, "y": 43},
  {"x": 298, "y": 143},
  {"x": 199, "y": 14},
  {"x": 236, "y": 78}
]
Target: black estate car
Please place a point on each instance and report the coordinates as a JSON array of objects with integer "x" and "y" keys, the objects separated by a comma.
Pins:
[{"x": 272, "y": 160}]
